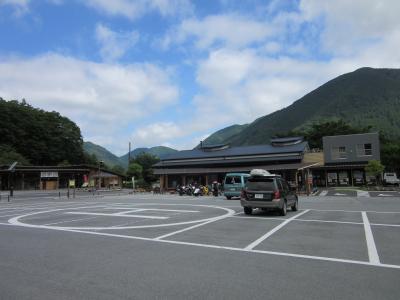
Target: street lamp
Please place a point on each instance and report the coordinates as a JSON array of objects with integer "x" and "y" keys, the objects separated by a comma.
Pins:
[{"x": 99, "y": 178}]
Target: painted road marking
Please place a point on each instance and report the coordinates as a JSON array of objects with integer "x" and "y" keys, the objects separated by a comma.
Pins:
[
  {"x": 323, "y": 193},
  {"x": 272, "y": 231},
  {"x": 17, "y": 220},
  {"x": 372, "y": 252},
  {"x": 362, "y": 193},
  {"x": 69, "y": 221},
  {"x": 285, "y": 254},
  {"x": 300, "y": 220},
  {"x": 156, "y": 209},
  {"x": 329, "y": 259},
  {"x": 117, "y": 215},
  {"x": 385, "y": 195},
  {"x": 192, "y": 227},
  {"x": 314, "y": 220},
  {"x": 368, "y": 211},
  {"x": 339, "y": 194}
]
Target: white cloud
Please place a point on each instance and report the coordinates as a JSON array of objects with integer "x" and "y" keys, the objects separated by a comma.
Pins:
[
  {"x": 133, "y": 9},
  {"x": 101, "y": 98},
  {"x": 350, "y": 26},
  {"x": 20, "y": 6},
  {"x": 232, "y": 30},
  {"x": 114, "y": 44},
  {"x": 159, "y": 132}
]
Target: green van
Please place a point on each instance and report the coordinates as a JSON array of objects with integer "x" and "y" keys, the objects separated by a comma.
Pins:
[{"x": 234, "y": 184}]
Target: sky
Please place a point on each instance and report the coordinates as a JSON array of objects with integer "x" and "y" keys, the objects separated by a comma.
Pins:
[{"x": 172, "y": 72}]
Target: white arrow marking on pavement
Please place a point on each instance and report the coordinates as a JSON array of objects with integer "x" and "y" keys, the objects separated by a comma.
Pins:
[
  {"x": 385, "y": 195},
  {"x": 338, "y": 194}
]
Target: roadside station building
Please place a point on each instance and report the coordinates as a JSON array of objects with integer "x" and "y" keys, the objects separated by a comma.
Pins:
[
  {"x": 55, "y": 177},
  {"x": 289, "y": 157},
  {"x": 341, "y": 163},
  {"x": 345, "y": 159}
]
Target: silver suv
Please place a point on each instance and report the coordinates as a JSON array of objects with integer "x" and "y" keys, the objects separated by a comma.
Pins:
[{"x": 268, "y": 191}]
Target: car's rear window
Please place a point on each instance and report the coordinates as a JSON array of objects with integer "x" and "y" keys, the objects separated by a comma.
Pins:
[
  {"x": 233, "y": 180},
  {"x": 261, "y": 183}
]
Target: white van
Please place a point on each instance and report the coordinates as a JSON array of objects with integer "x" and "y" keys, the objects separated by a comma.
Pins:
[{"x": 390, "y": 178}]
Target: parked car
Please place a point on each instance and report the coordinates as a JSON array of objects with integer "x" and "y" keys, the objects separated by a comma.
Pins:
[
  {"x": 390, "y": 178},
  {"x": 234, "y": 184},
  {"x": 267, "y": 191}
]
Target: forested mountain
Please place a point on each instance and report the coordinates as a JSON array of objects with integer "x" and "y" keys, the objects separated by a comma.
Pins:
[
  {"x": 101, "y": 153},
  {"x": 112, "y": 160},
  {"x": 34, "y": 136},
  {"x": 363, "y": 98},
  {"x": 158, "y": 151},
  {"x": 224, "y": 134}
]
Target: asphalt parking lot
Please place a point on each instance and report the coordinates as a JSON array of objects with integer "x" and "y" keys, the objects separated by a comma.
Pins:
[{"x": 165, "y": 246}]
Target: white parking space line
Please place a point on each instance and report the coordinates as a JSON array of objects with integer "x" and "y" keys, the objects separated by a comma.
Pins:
[
  {"x": 194, "y": 226},
  {"x": 157, "y": 209},
  {"x": 387, "y": 225},
  {"x": 368, "y": 211},
  {"x": 285, "y": 254},
  {"x": 323, "y": 193},
  {"x": 266, "y": 218},
  {"x": 117, "y": 215},
  {"x": 10, "y": 215},
  {"x": 128, "y": 211},
  {"x": 69, "y": 221},
  {"x": 372, "y": 252},
  {"x": 362, "y": 193},
  {"x": 272, "y": 231}
]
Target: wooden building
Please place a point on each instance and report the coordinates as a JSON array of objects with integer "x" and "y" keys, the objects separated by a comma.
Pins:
[
  {"x": 57, "y": 177},
  {"x": 289, "y": 157}
]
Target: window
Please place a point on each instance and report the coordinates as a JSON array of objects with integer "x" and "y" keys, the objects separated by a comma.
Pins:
[
  {"x": 261, "y": 183},
  {"x": 233, "y": 180},
  {"x": 364, "y": 149},
  {"x": 339, "y": 152}
]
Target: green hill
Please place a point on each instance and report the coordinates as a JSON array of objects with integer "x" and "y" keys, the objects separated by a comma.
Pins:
[
  {"x": 365, "y": 97},
  {"x": 101, "y": 154},
  {"x": 112, "y": 160},
  {"x": 158, "y": 151},
  {"x": 33, "y": 136},
  {"x": 222, "y": 135}
]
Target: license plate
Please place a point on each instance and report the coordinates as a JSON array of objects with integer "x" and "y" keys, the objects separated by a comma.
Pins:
[
  {"x": 232, "y": 189},
  {"x": 258, "y": 196}
]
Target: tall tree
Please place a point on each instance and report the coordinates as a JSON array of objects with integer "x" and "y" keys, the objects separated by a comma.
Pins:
[
  {"x": 147, "y": 160},
  {"x": 43, "y": 138}
]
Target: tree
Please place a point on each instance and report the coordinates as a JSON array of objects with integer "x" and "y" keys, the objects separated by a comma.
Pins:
[
  {"x": 134, "y": 170},
  {"x": 316, "y": 131},
  {"x": 44, "y": 138},
  {"x": 374, "y": 168},
  {"x": 146, "y": 161},
  {"x": 8, "y": 155},
  {"x": 390, "y": 152},
  {"x": 118, "y": 169}
]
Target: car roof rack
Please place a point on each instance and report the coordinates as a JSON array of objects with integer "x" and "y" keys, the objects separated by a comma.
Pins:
[{"x": 263, "y": 173}]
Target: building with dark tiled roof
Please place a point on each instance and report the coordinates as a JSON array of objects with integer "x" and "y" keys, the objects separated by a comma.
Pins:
[
  {"x": 55, "y": 177},
  {"x": 208, "y": 163}
]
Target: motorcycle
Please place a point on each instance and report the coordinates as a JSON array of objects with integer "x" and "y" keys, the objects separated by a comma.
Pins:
[
  {"x": 197, "y": 192},
  {"x": 181, "y": 190}
]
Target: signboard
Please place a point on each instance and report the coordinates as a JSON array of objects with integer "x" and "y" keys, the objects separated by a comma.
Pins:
[
  {"x": 71, "y": 183},
  {"x": 48, "y": 174}
]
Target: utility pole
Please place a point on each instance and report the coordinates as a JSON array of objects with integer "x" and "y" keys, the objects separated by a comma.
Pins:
[
  {"x": 99, "y": 177},
  {"x": 129, "y": 154}
]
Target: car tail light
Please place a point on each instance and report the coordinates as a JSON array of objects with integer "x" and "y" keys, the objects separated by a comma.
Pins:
[
  {"x": 243, "y": 194},
  {"x": 277, "y": 195}
]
